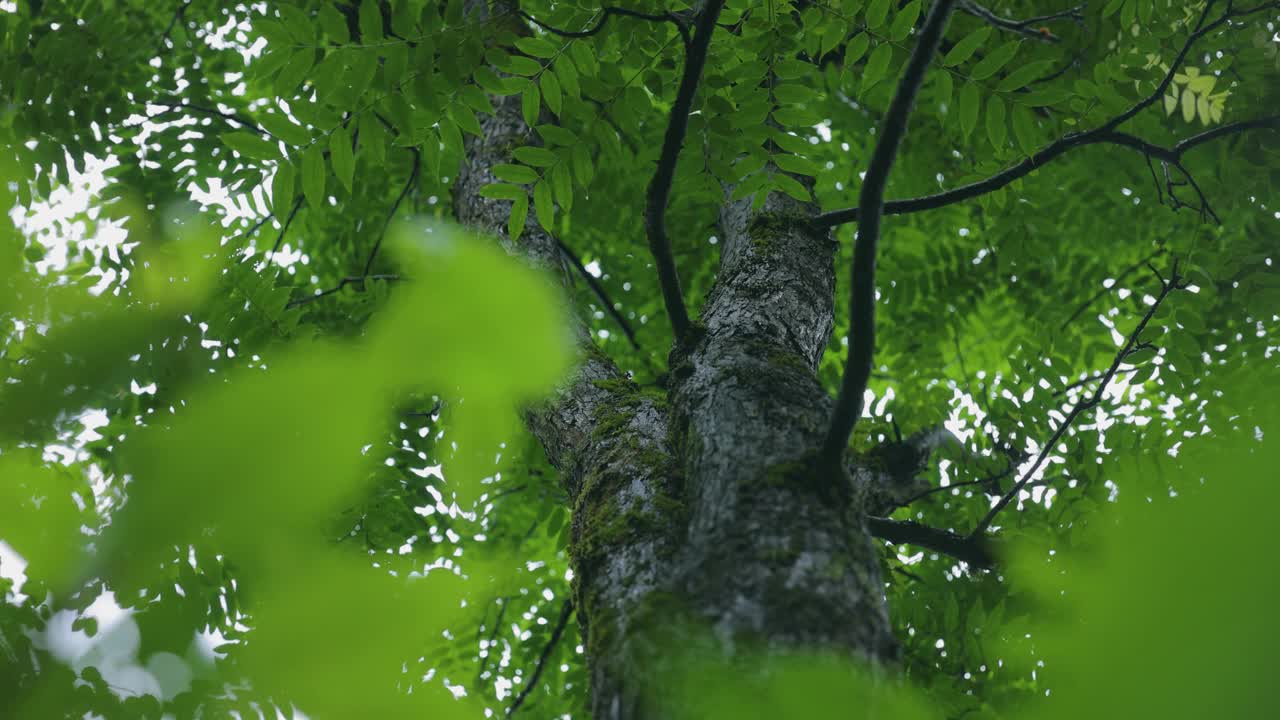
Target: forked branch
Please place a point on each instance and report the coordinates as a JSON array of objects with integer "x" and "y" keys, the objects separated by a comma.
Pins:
[
  {"x": 1105, "y": 133},
  {"x": 1131, "y": 345},
  {"x": 857, "y": 369},
  {"x": 655, "y": 213}
]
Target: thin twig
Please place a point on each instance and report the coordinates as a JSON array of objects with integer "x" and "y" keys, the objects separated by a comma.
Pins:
[
  {"x": 857, "y": 369},
  {"x": 565, "y": 611},
  {"x": 350, "y": 280},
  {"x": 177, "y": 15},
  {"x": 408, "y": 185},
  {"x": 1081, "y": 383},
  {"x": 1104, "y": 133},
  {"x": 981, "y": 481},
  {"x": 1031, "y": 27},
  {"x": 1035, "y": 162},
  {"x": 655, "y": 212},
  {"x": 1175, "y": 282},
  {"x": 608, "y": 12},
  {"x": 236, "y": 118},
  {"x": 600, "y": 292},
  {"x": 285, "y": 228},
  {"x": 1096, "y": 296}
]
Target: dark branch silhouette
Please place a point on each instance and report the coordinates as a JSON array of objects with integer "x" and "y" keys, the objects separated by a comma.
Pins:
[
  {"x": 358, "y": 280},
  {"x": 1042, "y": 157},
  {"x": 681, "y": 25},
  {"x": 230, "y": 117},
  {"x": 973, "y": 550},
  {"x": 408, "y": 185},
  {"x": 285, "y": 228},
  {"x": 1032, "y": 27},
  {"x": 1096, "y": 296},
  {"x": 598, "y": 289},
  {"x": 1104, "y": 133},
  {"x": 1175, "y": 282},
  {"x": 655, "y": 212},
  {"x": 566, "y": 610},
  {"x": 857, "y": 369}
]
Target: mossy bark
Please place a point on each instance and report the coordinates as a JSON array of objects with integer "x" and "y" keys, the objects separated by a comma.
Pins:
[{"x": 700, "y": 506}]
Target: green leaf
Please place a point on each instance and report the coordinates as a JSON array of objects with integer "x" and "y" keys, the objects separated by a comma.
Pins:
[
  {"x": 876, "y": 13},
  {"x": 519, "y": 213},
  {"x": 543, "y": 208},
  {"x": 295, "y": 71},
  {"x": 489, "y": 81},
  {"x": 520, "y": 65},
  {"x": 281, "y": 127},
  {"x": 969, "y": 102},
  {"x": 905, "y": 21},
  {"x": 370, "y": 22},
  {"x": 992, "y": 63},
  {"x": 282, "y": 187},
  {"x": 250, "y": 145},
  {"x": 313, "y": 176},
  {"x": 1044, "y": 97},
  {"x": 515, "y": 173},
  {"x": 877, "y": 66},
  {"x": 791, "y": 186},
  {"x": 556, "y": 135},
  {"x": 943, "y": 88},
  {"x": 996, "y": 129},
  {"x": 297, "y": 23},
  {"x": 583, "y": 167},
  {"x": 856, "y": 48},
  {"x": 798, "y": 165},
  {"x": 537, "y": 47},
  {"x": 562, "y": 185},
  {"x": 535, "y": 156},
  {"x": 1024, "y": 130},
  {"x": 502, "y": 191},
  {"x": 568, "y": 74},
  {"x": 551, "y": 91},
  {"x": 465, "y": 119},
  {"x": 334, "y": 24},
  {"x": 530, "y": 104},
  {"x": 964, "y": 49},
  {"x": 341, "y": 157},
  {"x": 1023, "y": 75}
]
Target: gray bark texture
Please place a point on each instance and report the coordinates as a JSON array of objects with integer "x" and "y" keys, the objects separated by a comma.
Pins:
[{"x": 698, "y": 505}]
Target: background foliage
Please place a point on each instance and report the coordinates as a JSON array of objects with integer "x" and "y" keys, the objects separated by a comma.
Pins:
[{"x": 258, "y": 445}]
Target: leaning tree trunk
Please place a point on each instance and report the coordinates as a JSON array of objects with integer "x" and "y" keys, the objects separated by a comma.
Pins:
[{"x": 697, "y": 504}]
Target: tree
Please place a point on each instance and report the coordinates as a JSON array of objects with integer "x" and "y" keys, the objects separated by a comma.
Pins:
[{"x": 1057, "y": 228}]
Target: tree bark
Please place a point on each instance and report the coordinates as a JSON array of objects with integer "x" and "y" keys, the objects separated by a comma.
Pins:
[{"x": 699, "y": 505}]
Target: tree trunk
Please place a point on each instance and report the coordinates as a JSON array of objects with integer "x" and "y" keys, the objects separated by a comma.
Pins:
[{"x": 698, "y": 503}]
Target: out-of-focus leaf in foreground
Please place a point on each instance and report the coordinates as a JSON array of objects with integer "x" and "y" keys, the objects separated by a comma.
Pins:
[{"x": 1172, "y": 615}]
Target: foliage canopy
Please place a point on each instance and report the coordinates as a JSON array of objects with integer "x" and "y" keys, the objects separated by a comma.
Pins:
[{"x": 243, "y": 348}]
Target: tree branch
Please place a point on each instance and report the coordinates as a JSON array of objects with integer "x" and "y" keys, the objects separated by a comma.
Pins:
[
  {"x": 608, "y": 12},
  {"x": 213, "y": 112},
  {"x": 349, "y": 280},
  {"x": 1175, "y": 282},
  {"x": 565, "y": 611},
  {"x": 1032, "y": 27},
  {"x": 1040, "y": 158},
  {"x": 1104, "y": 133},
  {"x": 285, "y": 228},
  {"x": 600, "y": 292},
  {"x": 974, "y": 550},
  {"x": 655, "y": 212},
  {"x": 408, "y": 185},
  {"x": 857, "y": 368},
  {"x": 1123, "y": 274}
]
